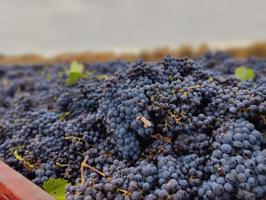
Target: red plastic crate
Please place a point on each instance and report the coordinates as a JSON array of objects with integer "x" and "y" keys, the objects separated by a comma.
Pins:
[{"x": 14, "y": 186}]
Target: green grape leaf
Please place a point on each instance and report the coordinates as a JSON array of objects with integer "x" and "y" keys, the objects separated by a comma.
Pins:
[
  {"x": 56, "y": 188},
  {"x": 76, "y": 67},
  {"x": 243, "y": 73},
  {"x": 210, "y": 79},
  {"x": 64, "y": 115},
  {"x": 75, "y": 73},
  {"x": 49, "y": 77},
  {"x": 103, "y": 76}
]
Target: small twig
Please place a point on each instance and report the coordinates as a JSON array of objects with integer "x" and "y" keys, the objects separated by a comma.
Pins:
[
  {"x": 177, "y": 119},
  {"x": 74, "y": 137},
  {"x": 20, "y": 158},
  {"x": 61, "y": 165},
  {"x": 161, "y": 137},
  {"x": 263, "y": 117},
  {"x": 194, "y": 86},
  {"x": 93, "y": 169},
  {"x": 145, "y": 121},
  {"x": 83, "y": 165},
  {"x": 125, "y": 193}
]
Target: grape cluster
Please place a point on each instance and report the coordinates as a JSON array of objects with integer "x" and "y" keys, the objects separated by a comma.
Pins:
[{"x": 176, "y": 129}]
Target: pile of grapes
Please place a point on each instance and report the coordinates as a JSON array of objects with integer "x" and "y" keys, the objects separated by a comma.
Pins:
[{"x": 172, "y": 130}]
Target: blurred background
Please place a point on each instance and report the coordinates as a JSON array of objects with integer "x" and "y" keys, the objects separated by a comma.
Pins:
[{"x": 51, "y": 27}]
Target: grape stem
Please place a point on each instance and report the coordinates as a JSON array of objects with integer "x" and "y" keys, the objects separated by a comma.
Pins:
[
  {"x": 162, "y": 138},
  {"x": 145, "y": 121},
  {"x": 85, "y": 165},
  {"x": 125, "y": 193},
  {"x": 73, "y": 137}
]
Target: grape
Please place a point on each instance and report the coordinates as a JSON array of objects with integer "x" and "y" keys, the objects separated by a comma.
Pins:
[
  {"x": 228, "y": 187},
  {"x": 226, "y": 148}
]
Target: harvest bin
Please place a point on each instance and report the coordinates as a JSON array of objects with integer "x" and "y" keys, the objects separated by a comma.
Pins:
[{"x": 14, "y": 186}]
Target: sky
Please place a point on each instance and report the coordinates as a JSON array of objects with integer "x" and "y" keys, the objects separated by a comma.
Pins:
[{"x": 56, "y": 26}]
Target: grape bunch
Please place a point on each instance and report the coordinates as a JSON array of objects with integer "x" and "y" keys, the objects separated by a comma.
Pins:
[{"x": 170, "y": 130}]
